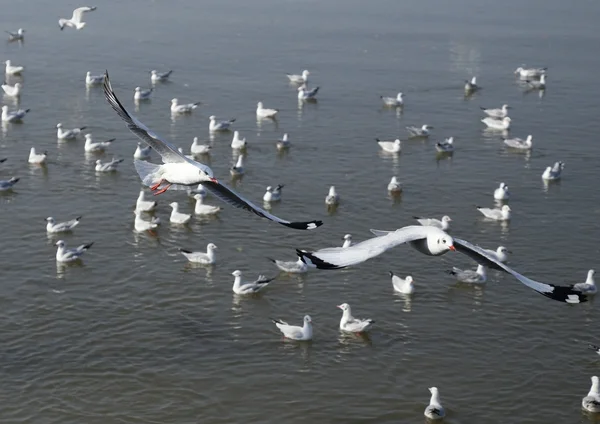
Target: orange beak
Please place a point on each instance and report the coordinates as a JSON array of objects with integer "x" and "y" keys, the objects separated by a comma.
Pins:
[{"x": 451, "y": 247}]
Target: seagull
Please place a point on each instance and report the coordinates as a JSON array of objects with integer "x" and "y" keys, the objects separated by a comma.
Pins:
[
  {"x": 143, "y": 205},
  {"x": 589, "y": 287},
  {"x": 393, "y": 101},
  {"x": 207, "y": 258},
  {"x": 306, "y": 94},
  {"x": 183, "y": 108},
  {"x": 273, "y": 195},
  {"x": 537, "y": 84},
  {"x": 12, "y": 69},
  {"x": 93, "y": 79},
  {"x": 390, "y": 146},
  {"x": 37, "y": 158},
  {"x": 156, "y": 76},
  {"x": 500, "y": 254},
  {"x": 200, "y": 149},
  {"x": 142, "y": 225},
  {"x": 96, "y": 147},
  {"x": 67, "y": 134},
  {"x": 262, "y": 112},
  {"x": 435, "y": 410},
  {"x": 554, "y": 172},
  {"x": 519, "y": 143},
  {"x": 497, "y": 113},
  {"x": 12, "y": 90},
  {"x": 294, "y": 332},
  {"x": 107, "y": 166},
  {"x": 502, "y": 193},
  {"x": 198, "y": 190},
  {"x": 201, "y": 209},
  {"x": 238, "y": 143},
  {"x": 497, "y": 124},
  {"x": 249, "y": 287},
  {"x": 65, "y": 255},
  {"x": 178, "y": 217},
  {"x": 443, "y": 224},
  {"x": 238, "y": 169},
  {"x": 332, "y": 198},
  {"x": 419, "y": 132},
  {"x": 283, "y": 143},
  {"x": 394, "y": 186},
  {"x": 404, "y": 286},
  {"x": 61, "y": 227},
  {"x": 14, "y": 116},
  {"x": 291, "y": 267},
  {"x": 595, "y": 348},
  {"x": 140, "y": 94},
  {"x": 530, "y": 72},
  {"x": 591, "y": 402},
  {"x": 497, "y": 214},
  {"x": 347, "y": 241},
  {"x": 445, "y": 146},
  {"x": 299, "y": 79},
  {"x": 219, "y": 125},
  {"x": 18, "y": 36},
  {"x": 350, "y": 324},
  {"x": 433, "y": 242},
  {"x": 6, "y": 185},
  {"x": 471, "y": 86},
  {"x": 75, "y": 21},
  {"x": 183, "y": 172},
  {"x": 468, "y": 276},
  {"x": 142, "y": 152}
]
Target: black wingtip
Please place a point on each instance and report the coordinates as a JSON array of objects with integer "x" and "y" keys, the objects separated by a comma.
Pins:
[
  {"x": 181, "y": 249},
  {"x": 482, "y": 108},
  {"x": 450, "y": 271},
  {"x": 276, "y": 321},
  {"x": 272, "y": 260},
  {"x": 312, "y": 259},
  {"x": 111, "y": 140},
  {"x": 82, "y": 128},
  {"x": 87, "y": 246},
  {"x": 78, "y": 218},
  {"x": 594, "y": 347},
  {"x": 478, "y": 207},
  {"x": 311, "y": 225},
  {"x": 3, "y": 160},
  {"x": 27, "y": 110},
  {"x": 565, "y": 294},
  {"x": 377, "y": 139},
  {"x": 391, "y": 273},
  {"x": 416, "y": 217}
]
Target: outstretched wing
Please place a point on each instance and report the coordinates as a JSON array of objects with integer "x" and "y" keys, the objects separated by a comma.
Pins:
[{"x": 78, "y": 13}]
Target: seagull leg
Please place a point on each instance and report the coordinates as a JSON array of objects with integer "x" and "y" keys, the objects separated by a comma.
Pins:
[
  {"x": 162, "y": 190},
  {"x": 155, "y": 186}
]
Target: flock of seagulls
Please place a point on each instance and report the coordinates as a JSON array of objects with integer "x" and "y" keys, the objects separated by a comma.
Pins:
[{"x": 178, "y": 171}]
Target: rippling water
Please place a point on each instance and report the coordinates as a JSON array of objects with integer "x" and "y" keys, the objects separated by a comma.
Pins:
[{"x": 137, "y": 335}]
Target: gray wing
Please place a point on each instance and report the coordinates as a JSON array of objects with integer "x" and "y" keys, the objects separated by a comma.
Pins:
[
  {"x": 67, "y": 225},
  {"x": 78, "y": 13}
]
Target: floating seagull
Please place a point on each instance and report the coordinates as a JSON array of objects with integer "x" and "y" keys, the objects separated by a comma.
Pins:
[
  {"x": 143, "y": 205},
  {"x": 419, "y": 132},
  {"x": 530, "y": 72},
  {"x": 299, "y": 79},
  {"x": 198, "y": 190},
  {"x": 249, "y": 287},
  {"x": 201, "y": 209},
  {"x": 142, "y": 152},
  {"x": 93, "y": 79},
  {"x": 37, "y": 158},
  {"x": 497, "y": 124},
  {"x": 519, "y": 143},
  {"x": 156, "y": 76},
  {"x": 14, "y": 116},
  {"x": 537, "y": 84},
  {"x": 390, "y": 146},
  {"x": 96, "y": 147},
  {"x": 553, "y": 173},
  {"x": 435, "y": 410},
  {"x": 353, "y": 325},
  {"x": 182, "y": 172},
  {"x": 404, "y": 286},
  {"x": 471, "y": 86},
  {"x": 445, "y": 146},
  {"x": 433, "y": 242},
  {"x": 140, "y": 94},
  {"x": 332, "y": 198},
  {"x": 283, "y": 143},
  {"x": 595, "y": 348},
  {"x": 237, "y": 142},
  {"x": 497, "y": 113},
  {"x": 200, "y": 149},
  {"x": 306, "y": 94},
  {"x": 394, "y": 186},
  {"x": 178, "y": 217},
  {"x": 141, "y": 225},
  {"x": 497, "y": 214},
  {"x": 18, "y": 36},
  {"x": 273, "y": 195},
  {"x": 208, "y": 258},
  {"x": 61, "y": 227},
  {"x": 219, "y": 125},
  {"x": 291, "y": 267},
  {"x": 238, "y": 169},
  {"x": 67, "y": 134},
  {"x": 183, "y": 108},
  {"x": 347, "y": 241},
  {"x": 502, "y": 193},
  {"x": 65, "y": 255},
  {"x": 13, "y": 70},
  {"x": 6, "y": 185},
  {"x": 591, "y": 402},
  {"x": 500, "y": 254},
  {"x": 107, "y": 166},
  {"x": 76, "y": 19},
  {"x": 262, "y": 112},
  {"x": 444, "y": 224},
  {"x": 468, "y": 276},
  {"x": 393, "y": 101},
  {"x": 12, "y": 90},
  {"x": 294, "y": 332},
  {"x": 589, "y": 287}
]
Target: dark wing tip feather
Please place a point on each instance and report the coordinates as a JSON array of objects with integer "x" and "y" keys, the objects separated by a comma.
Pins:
[
  {"x": 416, "y": 217},
  {"x": 78, "y": 218},
  {"x": 565, "y": 294},
  {"x": 594, "y": 347},
  {"x": 272, "y": 260},
  {"x": 310, "y": 225},
  {"x": 319, "y": 263},
  {"x": 87, "y": 246},
  {"x": 276, "y": 321}
]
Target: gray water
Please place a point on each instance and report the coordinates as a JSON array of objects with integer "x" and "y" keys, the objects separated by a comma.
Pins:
[{"x": 137, "y": 335}]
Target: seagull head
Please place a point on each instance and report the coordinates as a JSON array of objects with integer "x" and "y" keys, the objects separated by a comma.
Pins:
[
  {"x": 60, "y": 243},
  {"x": 307, "y": 319},
  {"x": 7, "y": 63},
  {"x": 237, "y": 273},
  {"x": 59, "y": 125},
  {"x": 211, "y": 246},
  {"x": 259, "y": 105},
  {"x": 4, "y": 109},
  {"x": 174, "y": 101},
  {"x": 270, "y": 189},
  {"x": 409, "y": 280},
  {"x": 446, "y": 218},
  {"x": 20, "y": 31},
  {"x": 502, "y": 249},
  {"x": 348, "y": 237},
  {"x": 305, "y": 73},
  {"x": 506, "y": 208},
  {"x": 439, "y": 242},
  {"x": 98, "y": 162},
  {"x": 212, "y": 118},
  {"x": 138, "y": 89},
  {"x": 518, "y": 70},
  {"x": 344, "y": 307},
  {"x": 50, "y": 220}
]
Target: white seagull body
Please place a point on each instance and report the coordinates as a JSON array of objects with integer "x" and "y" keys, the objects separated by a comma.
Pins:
[
  {"x": 76, "y": 20},
  {"x": 201, "y": 209},
  {"x": 262, "y": 112},
  {"x": 306, "y": 94},
  {"x": 553, "y": 173},
  {"x": 93, "y": 79},
  {"x": 419, "y": 132},
  {"x": 519, "y": 143},
  {"x": 393, "y": 101},
  {"x": 502, "y": 193},
  {"x": 435, "y": 410},
  {"x": 6, "y": 185},
  {"x": 291, "y": 267},
  {"x": 471, "y": 86},
  {"x": 497, "y": 124},
  {"x": 142, "y": 152},
  {"x": 107, "y": 166},
  {"x": 497, "y": 214},
  {"x": 468, "y": 276},
  {"x": 13, "y": 116},
  {"x": 445, "y": 146},
  {"x": 294, "y": 332},
  {"x": 61, "y": 227},
  {"x": 283, "y": 143},
  {"x": 591, "y": 402},
  {"x": 37, "y": 158},
  {"x": 67, "y": 134},
  {"x": 404, "y": 286},
  {"x": 299, "y": 79},
  {"x": 177, "y": 108},
  {"x": 65, "y": 255},
  {"x": 332, "y": 198},
  {"x": 92, "y": 146},
  {"x": 140, "y": 94},
  {"x": 390, "y": 146},
  {"x": 208, "y": 258},
  {"x": 537, "y": 84},
  {"x": 530, "y": 72},
  {"x": 219, "y": 125},
  {"x": 394, "y": 186},
  {"x": 12, "y": 69},
  {"x": 143, "y": 205},
  {"x": 350, "y": 324},
  {"x": 156, "y": 76},
  {"x": 443, "y": 224},
  {"x": 240, "y": 287},
  {"x": 200, "y": 149},
  {"x": 273, "y": 194},
  {"x": 12, "y": 90},
  {"x": 589, "y": 286},
  {"x": 178, "y": 217},
  {"x": 500, "y": 254},
  {"x": 497, "y": 113},
  {"x": 238, "y": 169},
  {"x": 16, "y": 36},
  {"x": 347, "y": 240},
  {"x": 141, "y": 225},
  {"x": 238, "y": 143}
]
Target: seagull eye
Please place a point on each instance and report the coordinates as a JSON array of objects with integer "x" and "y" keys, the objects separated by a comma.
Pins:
[{"x": 444, "y": 241}]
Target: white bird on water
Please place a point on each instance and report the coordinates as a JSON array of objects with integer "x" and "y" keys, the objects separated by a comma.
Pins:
[
  {"x": 306, "y": 94},
  {"x": 200, "y": 149},
  {"x": 61, "y": 227},
  {"x": 252, "y": 287},
  {"x": 404, "y": 286},
  {"x": 497, "y": 113},
  {"x": 332, "y": 198},
  {"x": 37, "y": 158},
  {"x": 92, "y": 146},
  {"x": 156, "y": 76},
  {"x": 519, "y": 143},
  {"x": 435, "y": 410},
  {"x": 201, "y": 209},
  {"x": 142, "y": 152},
  {"x": 530, "y": 72},
  {"x": 238, "y": 169},
  {"x": 6, "y": 185},
  {"x": 144, "y": 205},
  {"x": 394, "y": 186},
  {"x": 445, "y": 146},
  {"x": 262, "y": 112},
  {"x": 299, "y": 79},
  {"x": 497, "y": 124},
  {"x": 553, "y": 173},
  {"x": 591, "y": 402},
  {"x": 178, "y": 217},
  {"x": 12, "y": 69},
  {"x": 283, "y": 142},
  {"x": 177, "y": 108},
  {"x": 140, "y": 94},
  {"x": 294, "y": 332},
  {"x": 469, "y": 276},
  {"x": 16, "y": 36},
  {"x": 291, "y": 267},
  {"x": 238, "y": 143},
  {"x": 393, "y": 101},
  {"x": 12, "y": 90},
  {"x": 219, "y": 125},
  {"x": 67, "y": 134},
  {"x": 141, "y": 225},
  {"x": 76, "y": 20},
  {"x": 471, "y": 86},
  {"x": 443, "y": 224},
  {"x": 65, "y": 255},
  {"x": 419, "y": 132},
  {"x": 497, "y": 214},
  {"x": 208, "y": 258},
  {"x": 13, "y": 116},
  {"x": 390, "y": 146},
  {"x": 347, "y": 241},
  {"x": 107, "y": 166},
  {"x": 93, "y": 79},
  {"x": 502, "y": 193},
  {"x": 500, "y": 254},
  {"x": 589, "y": 286},
  {"x": 350, "y": 324},
  {"x": 537, "y": 84},
  {"x": 273, "y": 194}
]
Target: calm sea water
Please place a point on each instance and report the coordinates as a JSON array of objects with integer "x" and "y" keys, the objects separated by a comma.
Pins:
[{"x": 137, "y": 335}]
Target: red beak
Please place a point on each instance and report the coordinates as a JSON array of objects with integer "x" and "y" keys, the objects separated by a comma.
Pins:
[
  {"x": 339, "y": 306},
  {"x": 451, "y": 247},
  {"x": 214, "y": 180}
]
